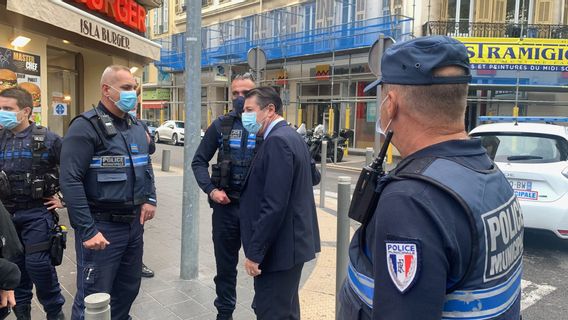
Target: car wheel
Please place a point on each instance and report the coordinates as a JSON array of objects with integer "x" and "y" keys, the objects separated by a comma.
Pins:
[
  {"x": 175, "y": 139},
  {"x": 157, "y": 137}
]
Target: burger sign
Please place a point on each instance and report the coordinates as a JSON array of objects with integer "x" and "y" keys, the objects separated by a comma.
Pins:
[{"x": 21, "y": 69}]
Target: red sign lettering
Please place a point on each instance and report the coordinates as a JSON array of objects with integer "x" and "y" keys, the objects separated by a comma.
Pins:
[{"x": 126, "y": 12}]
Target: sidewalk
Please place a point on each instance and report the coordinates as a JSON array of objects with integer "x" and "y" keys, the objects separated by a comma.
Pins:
[{"x": 166, "y": 296}]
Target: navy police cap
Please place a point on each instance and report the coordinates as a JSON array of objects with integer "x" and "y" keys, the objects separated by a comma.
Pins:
[{"x": 413, "y": 62}]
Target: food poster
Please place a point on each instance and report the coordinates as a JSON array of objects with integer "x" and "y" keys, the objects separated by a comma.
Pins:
[{"x": 22, "y": 69}]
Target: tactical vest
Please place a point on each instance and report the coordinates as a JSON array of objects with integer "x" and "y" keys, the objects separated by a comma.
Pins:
[
  {"x": 118, "y": 176},
  {"x": 237, "y": 146},
  {"x": 33, "y": 177},
  {"x": 491, "y": 284}
]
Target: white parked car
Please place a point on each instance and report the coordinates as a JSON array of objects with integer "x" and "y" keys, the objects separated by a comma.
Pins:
[
  {"x": 171, "y": 131},
  {"x": 534, "y": 158}
]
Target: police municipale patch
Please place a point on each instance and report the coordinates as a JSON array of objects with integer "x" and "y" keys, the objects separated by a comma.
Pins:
[{"x": 402, "y": 263}]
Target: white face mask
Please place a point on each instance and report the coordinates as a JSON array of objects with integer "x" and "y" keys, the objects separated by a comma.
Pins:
[{"x": 378, "y": 123}]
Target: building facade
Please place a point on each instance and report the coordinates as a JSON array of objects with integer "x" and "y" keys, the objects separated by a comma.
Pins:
[
  {"x": 316, "y": 52},
  {"x": 59, "y": 49},
  {"x": 518, "y": 50}
]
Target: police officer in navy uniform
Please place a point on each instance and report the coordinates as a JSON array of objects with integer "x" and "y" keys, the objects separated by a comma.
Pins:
[
  {"x": 446, "y": 238},
  {"x": 29, "y": 156},
  {"x": 236, "y": 148},
  {"x": 108, "y": 184}
]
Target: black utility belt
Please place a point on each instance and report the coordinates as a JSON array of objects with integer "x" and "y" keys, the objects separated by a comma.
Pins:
[
  {"x": 12, "y": 207},
  {"x": 115, "y": 216}
]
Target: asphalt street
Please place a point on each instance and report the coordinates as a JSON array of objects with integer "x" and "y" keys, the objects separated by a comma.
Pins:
[{"x": 545, "y": 277}]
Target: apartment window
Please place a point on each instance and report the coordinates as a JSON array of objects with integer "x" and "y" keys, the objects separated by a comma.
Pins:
[
  {"x": 491, "y": 10},
  {"x": 161, "y": 19},
  {"x": 324, "y": 13},
  {"x": 361, "y": 6},
  {"x": 206, "y": 3}
]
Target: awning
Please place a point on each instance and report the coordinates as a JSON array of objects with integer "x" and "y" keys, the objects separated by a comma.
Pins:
[
  {"x": 65, "y": 16},
  {"x": 154, "y": 104}
]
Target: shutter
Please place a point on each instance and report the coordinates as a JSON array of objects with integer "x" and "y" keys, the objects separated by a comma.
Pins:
[
  {"x": 543, "y": 12},
  {"x": 565, "y": 21},
  {"x": 483, "y": 10},
  {"x": 443, "y": 10},
  {"x": 499, "y": 11}
]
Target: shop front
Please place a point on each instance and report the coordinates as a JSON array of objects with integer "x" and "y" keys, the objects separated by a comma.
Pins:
[{"x": 58, "y": 49}]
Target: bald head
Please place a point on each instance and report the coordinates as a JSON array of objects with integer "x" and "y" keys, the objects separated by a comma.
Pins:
[
  {"x": 109, "y": 75},
  {"x": 115, "y": 79}
]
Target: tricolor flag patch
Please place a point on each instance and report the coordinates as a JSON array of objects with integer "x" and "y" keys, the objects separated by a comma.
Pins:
[{"x": 402, "y": 263}]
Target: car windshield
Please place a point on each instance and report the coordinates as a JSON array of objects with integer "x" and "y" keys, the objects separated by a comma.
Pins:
[
  {"x": 179, "y": 124},
  {"x": 524, "y": 147}
]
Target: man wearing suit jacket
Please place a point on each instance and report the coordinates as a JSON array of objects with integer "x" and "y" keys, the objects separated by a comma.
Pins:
[{"x": 279, "y": 227}]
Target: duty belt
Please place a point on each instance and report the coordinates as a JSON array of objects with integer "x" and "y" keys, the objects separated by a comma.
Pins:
[
  {"x": 12, "y": 207},
  {"x": 126, "y": 216}
]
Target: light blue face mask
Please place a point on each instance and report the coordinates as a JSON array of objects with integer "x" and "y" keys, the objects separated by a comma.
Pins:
[
  {"x": 249, "y": 122},
  {"x": 8, "y": 119},
  {"x": 127, "y": 101}
]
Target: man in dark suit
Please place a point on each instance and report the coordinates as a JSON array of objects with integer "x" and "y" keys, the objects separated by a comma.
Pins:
[{"x": 279, "y": 226}]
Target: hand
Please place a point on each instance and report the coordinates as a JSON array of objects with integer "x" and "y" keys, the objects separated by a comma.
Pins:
[
  {"x": 147, "y": 212},
  {"x": 7, "y": 299},
  {"x": 53, "y": 202},
  {"x": 220, "y": 196},
  {"x": 251, "y": 268},
  {"x": 98, "y": 242}
]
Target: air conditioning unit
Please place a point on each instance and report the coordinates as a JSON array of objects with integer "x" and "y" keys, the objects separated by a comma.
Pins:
[{"x": 150, "y": 4}]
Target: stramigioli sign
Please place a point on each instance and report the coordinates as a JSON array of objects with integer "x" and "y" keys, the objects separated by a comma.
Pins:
[
  {"x": 528, "y": 54},
  {"x": 68, "y": 17}
]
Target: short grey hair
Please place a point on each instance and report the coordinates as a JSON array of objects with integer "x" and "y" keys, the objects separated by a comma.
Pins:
[
  {"x": 111, "y": 70},
  {"x": 245, "y": 76}
]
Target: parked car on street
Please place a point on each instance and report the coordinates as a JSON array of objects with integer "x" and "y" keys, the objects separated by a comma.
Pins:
[
  {"x": 170, "y": 131},
  {"x": 534, "y": 158},
  {"x": 152, "y": 125}
]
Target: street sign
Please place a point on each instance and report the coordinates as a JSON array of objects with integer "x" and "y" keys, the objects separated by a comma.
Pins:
[
  {"x": 256, "y": 58},
  {"x": 59, "y": 109},
  {"x": 376, "y": 53}
]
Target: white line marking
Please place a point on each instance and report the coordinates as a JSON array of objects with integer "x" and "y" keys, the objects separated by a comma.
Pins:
[{"x": 537, "y": 292}]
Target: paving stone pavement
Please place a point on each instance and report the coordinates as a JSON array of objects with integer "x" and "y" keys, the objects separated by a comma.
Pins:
[{"x": 166, "y": 296}]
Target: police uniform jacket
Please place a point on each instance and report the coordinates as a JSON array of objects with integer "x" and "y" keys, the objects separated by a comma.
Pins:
[
  {"x": 418, "y": 247},
  {"x": 100, "y": 173}
]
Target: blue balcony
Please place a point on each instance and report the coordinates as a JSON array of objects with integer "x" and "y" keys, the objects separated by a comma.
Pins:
[{"x": 352, "y": 35}]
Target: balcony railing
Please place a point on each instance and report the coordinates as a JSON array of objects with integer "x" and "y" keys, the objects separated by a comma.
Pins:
[
  {"x": 495, "y": 30},
  {"x": 357, "y": 34}
]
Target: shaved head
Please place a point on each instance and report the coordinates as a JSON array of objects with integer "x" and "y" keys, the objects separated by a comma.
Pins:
[
  {"x": 114, "y": 80},
  {"x": 109, "y": 75}
]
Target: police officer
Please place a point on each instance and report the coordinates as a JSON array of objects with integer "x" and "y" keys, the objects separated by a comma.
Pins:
[
  {"x": 108, "y": 183},
  {"x": 29, "y": 155},
  {"x": 235, "y": 148},
  {"x": 445, "y": 241}
]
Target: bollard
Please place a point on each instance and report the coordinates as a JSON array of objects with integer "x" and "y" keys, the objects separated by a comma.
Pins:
[
  {"x": 368, "y": 156},
  {"x": 323, "y": 170},
  {"x": 97, "y": 306},
  {"x": 166, "y": 155},
  {"x": 342, "y": 252}
]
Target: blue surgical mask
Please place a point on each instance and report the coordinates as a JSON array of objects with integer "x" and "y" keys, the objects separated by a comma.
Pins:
[
  {"x": 132, "y": 113},
  {"x": 249, "y": 122},
  {"x": 9, "y": 119},
  {"x": 378, "y": 128},
  {"x": 127, "y": 100}
]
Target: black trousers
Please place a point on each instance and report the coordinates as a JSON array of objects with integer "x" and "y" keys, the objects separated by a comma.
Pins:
[
  {"x": 276, "y": 294},
  {"x": 226, "y": 244}
]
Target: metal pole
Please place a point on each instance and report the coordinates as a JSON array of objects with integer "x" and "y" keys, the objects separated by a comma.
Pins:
[
  {"x": 323, "y": 172},
  {"x": 368, "y": 156},
  {"x": 166, "y": 155},
  {"x": 191, "y": 192},
  {"x": 342, "y": 252},
  {"x": 97, "y": 306}
]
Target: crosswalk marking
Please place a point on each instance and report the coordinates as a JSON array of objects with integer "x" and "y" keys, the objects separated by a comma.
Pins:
[{"x": 532, "y": 292}]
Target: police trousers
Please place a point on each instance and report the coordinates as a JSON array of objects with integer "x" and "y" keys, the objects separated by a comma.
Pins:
[
  {"x": 226, "y": 244},
  {"x": 276, "y": 294},
  {"x": 351, "y": 307},
  {"x": 116, "y": 270},
  {"x": 34, "y": 226}
]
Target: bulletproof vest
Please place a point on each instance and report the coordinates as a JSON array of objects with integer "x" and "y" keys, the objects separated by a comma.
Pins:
[
  {"x": 237, "y": 146},
  {"x": 491, "y": 283},
  {"x": 118, "y": 176},
  {"x": 25, "y": 160}
]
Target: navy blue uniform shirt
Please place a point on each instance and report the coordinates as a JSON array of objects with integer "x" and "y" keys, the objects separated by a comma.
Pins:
[
  {"x": 413, "y": 209},
  {"x": 80, "y": 142}
]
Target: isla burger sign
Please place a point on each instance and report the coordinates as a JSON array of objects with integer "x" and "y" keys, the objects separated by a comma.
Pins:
[{"x": 125, "y": 13}]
